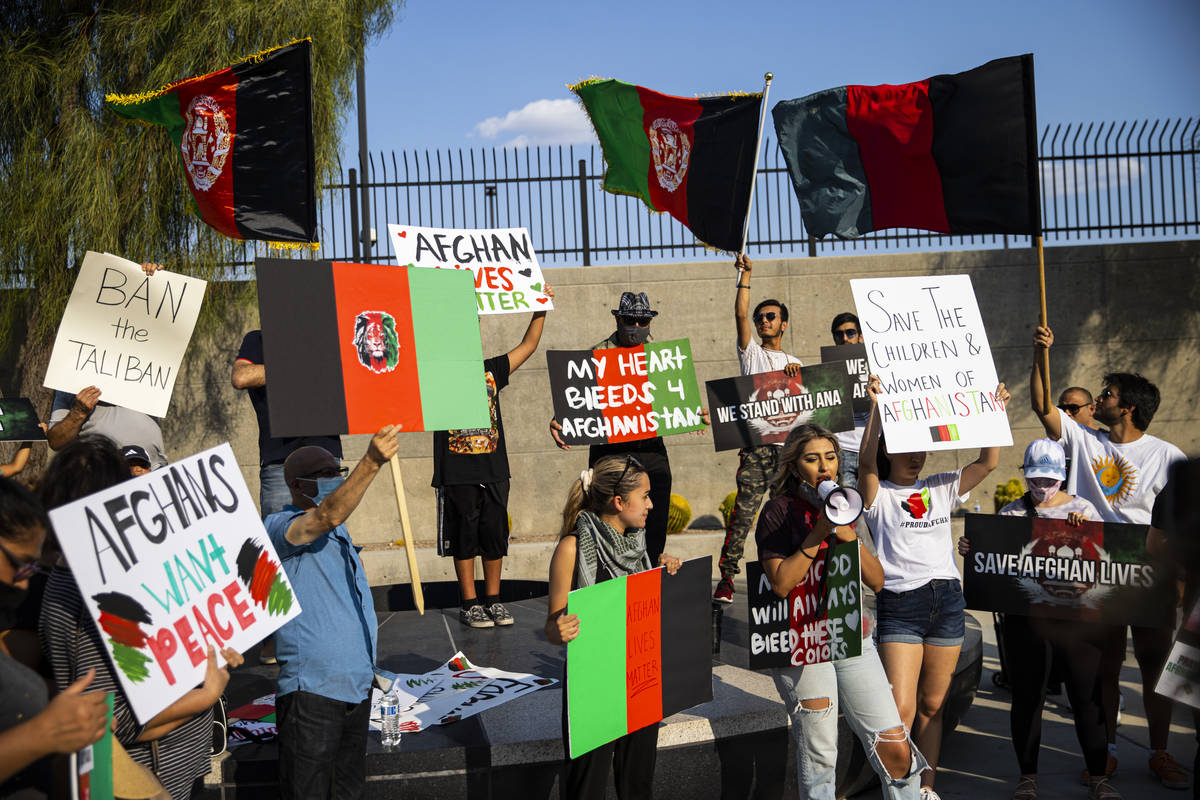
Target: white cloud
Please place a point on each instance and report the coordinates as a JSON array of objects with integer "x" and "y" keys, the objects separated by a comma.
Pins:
[{"x": 540, "y": 122}]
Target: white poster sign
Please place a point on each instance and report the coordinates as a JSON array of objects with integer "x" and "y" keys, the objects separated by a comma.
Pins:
[
  {"x": 169, "y": 563},
  {"x": 1180, "y": 678},
  {"x": 125, "y": 332},
  {"x": 926, "y": 342},
  {"x": 508, "y": 279}
]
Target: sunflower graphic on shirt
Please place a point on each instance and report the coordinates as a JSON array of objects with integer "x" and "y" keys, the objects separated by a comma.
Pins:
[{"x": 1116, "y": 476}]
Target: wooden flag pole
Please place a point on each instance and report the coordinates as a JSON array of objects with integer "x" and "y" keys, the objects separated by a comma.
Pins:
[
  {"x": 414, "y": 574},
  {"x": 762, "y": 115},
  {"x": 1045, "y": 323}
]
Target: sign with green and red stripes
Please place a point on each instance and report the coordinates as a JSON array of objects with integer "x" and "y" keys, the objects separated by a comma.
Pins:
[
  {"x": 693, "y": 157},
  {"x": 622, "y": 394},
  {"x": 644, "y": 652},
  {"x": 349, "y": 348}
]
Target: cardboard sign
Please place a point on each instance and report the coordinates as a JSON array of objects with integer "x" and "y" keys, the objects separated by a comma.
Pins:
[
  {"x": 625, "y": 393},
  {"x": 1043, "y": 567},
  {"x": 750, "y": 410},
  {"x": 19, "y": 421},
  {"x": 1180, "y": 678},
  {"x": 169, "y": 563},
  {"x": 125, "y": 332},
  {"x": 508, "y": 279},
  {"x": 925, "y": 340},
  {"x": 644, "y": 652},
  {"x": 820, "y": 620},
  {"x": 853, "y": 358}
]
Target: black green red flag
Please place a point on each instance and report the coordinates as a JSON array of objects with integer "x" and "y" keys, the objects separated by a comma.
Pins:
[
  {"x": 693, "y": 157},
  {"x": 245, "y": 140},
  {"x": 644, "y": 652},
  {"x": 953, "y": 154},
  {"x": 350, "y": 348}
]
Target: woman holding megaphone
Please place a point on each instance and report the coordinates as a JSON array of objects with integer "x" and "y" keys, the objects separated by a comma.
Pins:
[{"x": 794, "y": 536}]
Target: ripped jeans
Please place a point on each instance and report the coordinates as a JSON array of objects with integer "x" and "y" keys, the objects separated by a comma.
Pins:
[{"x": 860, "y": 688}]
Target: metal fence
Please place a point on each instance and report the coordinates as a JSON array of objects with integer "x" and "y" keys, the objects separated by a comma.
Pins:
[{"x": 1100, "y": 182}]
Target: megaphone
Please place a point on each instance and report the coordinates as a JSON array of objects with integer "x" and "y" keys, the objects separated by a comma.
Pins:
[{"x": 843, "y": 505}]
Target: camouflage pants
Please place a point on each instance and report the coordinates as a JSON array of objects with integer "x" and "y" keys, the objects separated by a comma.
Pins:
[{"x": 753, "y": 477}]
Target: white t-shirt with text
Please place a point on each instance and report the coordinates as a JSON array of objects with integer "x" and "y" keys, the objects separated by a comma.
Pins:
[
  {"x": 1120, "y": 479},
  {"x": 911, "y": 526}
]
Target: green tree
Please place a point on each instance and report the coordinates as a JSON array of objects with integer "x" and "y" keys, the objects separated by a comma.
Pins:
[{"x": 75, "y": 177}]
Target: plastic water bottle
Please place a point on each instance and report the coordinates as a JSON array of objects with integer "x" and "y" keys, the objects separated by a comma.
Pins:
[{"x": 389, "y": 713}]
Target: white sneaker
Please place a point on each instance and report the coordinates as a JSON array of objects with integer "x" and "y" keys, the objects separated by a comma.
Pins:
[{"x": 927, "y": 793}]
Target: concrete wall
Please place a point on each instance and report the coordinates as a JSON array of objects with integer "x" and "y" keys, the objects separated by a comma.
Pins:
[{"x": 1121, "y": 307}]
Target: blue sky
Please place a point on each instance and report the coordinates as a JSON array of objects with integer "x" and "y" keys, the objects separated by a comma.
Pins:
[{"x": 455, "y": 74}]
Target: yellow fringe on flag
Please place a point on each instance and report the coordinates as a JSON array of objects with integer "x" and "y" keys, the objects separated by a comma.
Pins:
[
  {"x": 293, "y": 245},
  {"x": 141, "y": 97}
]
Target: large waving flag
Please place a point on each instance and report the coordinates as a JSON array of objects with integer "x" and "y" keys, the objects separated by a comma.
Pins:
[
  {"x": 953, "y": 154},
  {"x": 691, "y": 157},
  {"x": 245, "y": 139}
]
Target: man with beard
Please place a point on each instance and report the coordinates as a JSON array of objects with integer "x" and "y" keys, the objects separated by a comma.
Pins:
[
  {"x": 633, "y": 315},
  {"x": 1120, "y": 471},
  {"x": 756, "y": 466}
]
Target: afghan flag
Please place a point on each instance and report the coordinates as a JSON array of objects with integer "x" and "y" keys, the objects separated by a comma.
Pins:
[
  {"x": 691, "y": 157},
  {"x": 644, "y": 652},
  {"x": 350, "y": 348},
  {"x": 952, "y": 154},
  {"x": 245, "y": 138}
]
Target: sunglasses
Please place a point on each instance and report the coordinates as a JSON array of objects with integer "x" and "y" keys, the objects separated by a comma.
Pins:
[
  {"x": 629, "y": 461},
  {"x": 641, "y": 322},
  {"x": 1105, "y": 394},
  {"x": 769, "y": 316},
  {"x": 843, "y": 335},
  {"x": 23, "y": 570},
  {"x": 1072, "y": 408}
]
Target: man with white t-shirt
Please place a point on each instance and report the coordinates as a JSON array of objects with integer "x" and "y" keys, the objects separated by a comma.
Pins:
[
  {"x": 757, "y": 464},
  {"x": 1121, "y": 471},
  {"x": 846, "y": 329}
]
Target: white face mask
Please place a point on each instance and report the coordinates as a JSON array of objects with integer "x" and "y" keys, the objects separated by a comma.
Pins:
[{"x": 1042, "y": 489}]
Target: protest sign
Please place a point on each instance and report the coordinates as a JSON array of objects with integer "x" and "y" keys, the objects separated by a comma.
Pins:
[
  {"x": 1045, "y": 567},
  {"x": 19, "y": 421},
  {"x": 644, "y": 652},
  {"x": 91, "y": 768},
  {"x": 125, "y": 332},
  {"x": 625, "y": 393},
  {"x": 508, "y": 279},
  {"x": 350, "y": 348},
  {"x": 169, "y": 563},
  {"x": 750, "y": 410},
  {"x": 853, "y": 357},
  {"x": 1180, "y": 678},
  {"x": 925, "y": 340},
  {"x": 820, "y": 620}
]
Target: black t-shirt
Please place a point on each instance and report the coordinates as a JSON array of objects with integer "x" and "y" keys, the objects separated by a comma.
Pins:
[
  {"x": 475, "y": 455},
  {"x": 783, "y": 525},
  {"x": 274, "y": 450}
]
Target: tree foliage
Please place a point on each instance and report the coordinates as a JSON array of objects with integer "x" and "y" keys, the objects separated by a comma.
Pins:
[{"x": 75, "y": 177}]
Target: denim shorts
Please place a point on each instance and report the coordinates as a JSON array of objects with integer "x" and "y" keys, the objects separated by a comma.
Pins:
[{"x": 930, "y": 614}]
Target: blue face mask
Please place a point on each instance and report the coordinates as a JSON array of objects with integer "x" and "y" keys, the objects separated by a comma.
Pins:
[{"x": 324, "y": 487}]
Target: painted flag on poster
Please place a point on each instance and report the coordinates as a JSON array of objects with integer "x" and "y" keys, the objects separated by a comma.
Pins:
[
  {"x": 19, "y": 421},
  {"x": 953, "y": 154},
  {"x": 353, "y": 347},
  {"x": 169, "y": 563},
  {"x": 693, "y": 157},
  {"x": 751, "y": 410},
  {"x": 623, "y": 394},
  {"x": 508, "y": 279},
  {"x": 245, "y": 139},
  {"x": 644, "y": 652}
]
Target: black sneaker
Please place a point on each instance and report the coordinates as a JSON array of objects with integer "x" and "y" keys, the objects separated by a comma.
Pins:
[
  {"x": 475, "y": 617},
  {"x": 499, "y": 614}
]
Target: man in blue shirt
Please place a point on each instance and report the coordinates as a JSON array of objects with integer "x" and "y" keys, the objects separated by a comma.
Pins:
[{"x": 327, "y": 654}]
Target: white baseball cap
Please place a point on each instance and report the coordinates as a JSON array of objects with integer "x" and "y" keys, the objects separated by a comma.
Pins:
[{"x": 1045, "y": 458}]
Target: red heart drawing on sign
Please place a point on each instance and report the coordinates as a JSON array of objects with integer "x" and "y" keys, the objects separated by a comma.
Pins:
[
  {"x": 402, "y": 234},
  {"x": 542, "y": 299}
]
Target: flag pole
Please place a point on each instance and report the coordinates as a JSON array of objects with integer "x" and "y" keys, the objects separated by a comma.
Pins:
[
  {"x": 1045, "y": 323},
  {"x": 414, "y": 574},
  {"x": 762, "y": 115}
]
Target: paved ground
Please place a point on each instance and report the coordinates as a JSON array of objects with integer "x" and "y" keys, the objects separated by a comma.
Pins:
[{"x": 978, "y": 761}]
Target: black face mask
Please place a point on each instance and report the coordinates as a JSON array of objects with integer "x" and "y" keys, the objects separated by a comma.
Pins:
[
  {"x": 11, "y": 598},
  {"x": 632, "y": 335}
]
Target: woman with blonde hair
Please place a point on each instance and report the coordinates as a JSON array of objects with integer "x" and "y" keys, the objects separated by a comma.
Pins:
[{"x": 603, "y": 536}]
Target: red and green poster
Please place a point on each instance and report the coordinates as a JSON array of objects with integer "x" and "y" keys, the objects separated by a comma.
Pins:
[
  {"x": 245, "y": 140},
  {"x": 623, "y": 394},
  {"x": 693, "y": 157},
  {"x": 644, "y": 652},
  {"x": 349, "y": 348}
]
